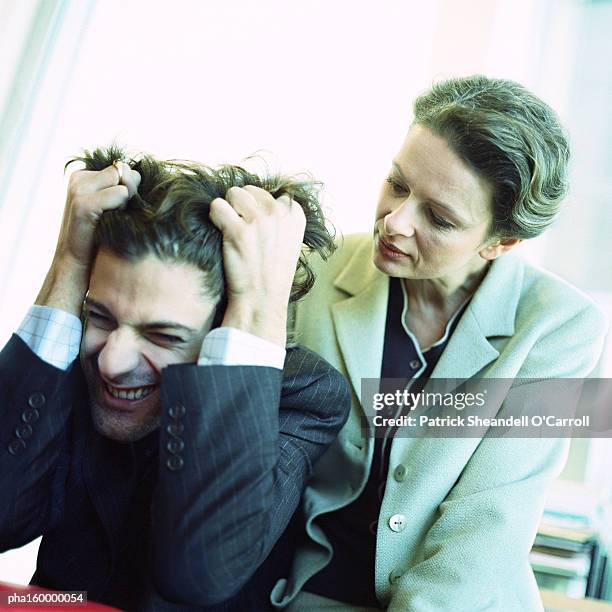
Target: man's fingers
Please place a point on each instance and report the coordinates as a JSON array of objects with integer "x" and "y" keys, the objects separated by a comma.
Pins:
[
  {"x": 131, "y": 179},
  {"x": 224, "y": 216},
  {"x": 287, "y": 201},
  {"x": 261, "y": 196},
  {"x": 242, "y": 202},
  {"x": 296, "y": 210},
  {"x": 90, "y": 181},
  {"x": 266, "y": 199},
  {"x": 109, "y": 198}
]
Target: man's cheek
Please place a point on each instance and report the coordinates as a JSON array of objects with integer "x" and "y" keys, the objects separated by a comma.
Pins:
[{"x": 93, "y": 341}]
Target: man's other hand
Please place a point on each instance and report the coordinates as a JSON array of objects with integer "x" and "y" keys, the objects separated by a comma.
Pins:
[{"x": 262, "y": 238}]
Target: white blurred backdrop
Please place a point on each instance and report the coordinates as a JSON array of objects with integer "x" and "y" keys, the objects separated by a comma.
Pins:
[{"x": 319, "y": 86}]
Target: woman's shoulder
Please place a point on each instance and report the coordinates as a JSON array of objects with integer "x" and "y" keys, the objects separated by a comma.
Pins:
[
  {"x": 539, "y": 322},
  {"x": 549, "y": 293},
  {"x": 564, "y": 328}
]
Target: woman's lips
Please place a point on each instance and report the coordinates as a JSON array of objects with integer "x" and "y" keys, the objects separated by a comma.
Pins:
[{"x": 388, "y": 250}]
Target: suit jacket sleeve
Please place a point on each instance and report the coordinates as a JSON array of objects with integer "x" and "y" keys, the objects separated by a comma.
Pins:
[
  {"x": 34, "y": 411},
  {"x": 237, "y": 448}
]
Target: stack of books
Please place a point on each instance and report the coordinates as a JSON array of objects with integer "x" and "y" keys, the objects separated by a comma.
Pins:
[{"x": 567, "y": 555}]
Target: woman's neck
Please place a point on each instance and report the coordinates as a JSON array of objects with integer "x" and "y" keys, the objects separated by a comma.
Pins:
[{"x": 444, "y": 295}]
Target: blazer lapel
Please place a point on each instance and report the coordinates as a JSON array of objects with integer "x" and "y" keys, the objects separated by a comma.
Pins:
[
  {"x": 359, "y": 320},
  {"x": 491, "y": 313}
]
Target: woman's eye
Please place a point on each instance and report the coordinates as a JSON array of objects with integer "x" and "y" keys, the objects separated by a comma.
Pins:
[
  {"x": 396, "y": 187},
  {"x": 439, "y": 221}
]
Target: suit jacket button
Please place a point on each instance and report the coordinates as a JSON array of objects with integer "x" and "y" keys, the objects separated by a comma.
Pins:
[
  {"x": 400, "y": 473},
  {"x": 394, "y": 576},
  {"x": 30, "y": 415},
  {"x": 36, "y": 400},
  {"x": 23, "y": 431},
  {"x": 175, "y": 429},
  {"x": 16, "y": 446},
  {"x": 397, "y": 523},
  {"x": 177, "y": 411},
  {"x": 174, "y": 463},
  {"x": 175, "y": 445}
]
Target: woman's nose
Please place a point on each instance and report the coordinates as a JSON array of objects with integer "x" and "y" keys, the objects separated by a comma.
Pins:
[{"x": 400, "y": 221}]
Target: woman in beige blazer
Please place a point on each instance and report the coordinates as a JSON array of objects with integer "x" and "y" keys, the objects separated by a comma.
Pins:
[{"x": 421, "y": 524}]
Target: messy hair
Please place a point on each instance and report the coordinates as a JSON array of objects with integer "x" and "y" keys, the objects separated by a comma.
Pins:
[
  {"x": 169, "y": 215},
  {"x": 511, "y": 138}
]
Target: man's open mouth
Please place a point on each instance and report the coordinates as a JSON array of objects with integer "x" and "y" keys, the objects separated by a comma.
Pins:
[{"x": 132, "y": 393}]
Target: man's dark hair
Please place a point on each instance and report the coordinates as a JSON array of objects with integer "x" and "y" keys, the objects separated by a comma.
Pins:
[{"x": 169, "y": 216}]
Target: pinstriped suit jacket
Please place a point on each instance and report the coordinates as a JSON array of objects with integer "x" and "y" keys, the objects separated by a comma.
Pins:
[{"x": 182, "y": 518}]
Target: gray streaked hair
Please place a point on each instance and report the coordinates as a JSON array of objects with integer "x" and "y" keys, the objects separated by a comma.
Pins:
[{"x": 511, "y": 138}]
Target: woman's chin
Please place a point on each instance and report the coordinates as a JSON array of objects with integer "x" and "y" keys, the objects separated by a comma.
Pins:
[{"x": 391, "y": 267}]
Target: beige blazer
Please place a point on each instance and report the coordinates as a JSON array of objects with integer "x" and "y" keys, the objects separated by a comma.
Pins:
[{"x": 472, "y": 505}]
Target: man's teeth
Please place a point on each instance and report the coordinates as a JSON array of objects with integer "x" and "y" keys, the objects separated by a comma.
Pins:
[{"x": 130, "y": 394}]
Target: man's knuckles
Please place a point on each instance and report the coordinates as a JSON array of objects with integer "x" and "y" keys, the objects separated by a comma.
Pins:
[
  {"x": 90, "y": 181},
  {"x": 261, "y": 196}
]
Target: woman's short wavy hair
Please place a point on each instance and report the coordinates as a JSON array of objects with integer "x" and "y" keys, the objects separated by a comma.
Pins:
[
  {"x": 169, "y": 216},
  {"x": 510, "y": 137}
]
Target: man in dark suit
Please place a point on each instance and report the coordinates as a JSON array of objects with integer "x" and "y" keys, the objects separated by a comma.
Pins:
[{"x": 163, "y": 467}]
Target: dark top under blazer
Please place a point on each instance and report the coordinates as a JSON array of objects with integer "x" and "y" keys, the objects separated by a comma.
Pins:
[{"x": 184, "y": 516}]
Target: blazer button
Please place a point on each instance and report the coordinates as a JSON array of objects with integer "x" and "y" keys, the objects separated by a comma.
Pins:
[
  {"x": 30, "y": 415},
  {"x": 394, "y": 576},
  {"x": 397, "y": 522},
  {"x": 16, "y": 446},
  {"x": 400, "y": 473},
  {"x": 177, "y": 411},
  {"x": 176, "y": 445},
  {"x": 174, "y": 463},
  {"x": 23, "y": 431},
  {"x": 415, "y": 364},
  {"x": 36, "y": 400}
]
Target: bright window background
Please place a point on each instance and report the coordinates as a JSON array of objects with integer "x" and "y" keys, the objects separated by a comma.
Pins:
[{"x": 318, "y": 86}]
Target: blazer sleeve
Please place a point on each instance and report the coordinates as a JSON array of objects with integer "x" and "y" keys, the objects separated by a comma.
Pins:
[
  {"x": 35, "y": 405},
  {"x": 487, "y": 524},
  {"x": 237, "y": 447}
]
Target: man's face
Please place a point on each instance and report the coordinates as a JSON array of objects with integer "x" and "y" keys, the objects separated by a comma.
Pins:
[{"x": 141, "y": 317}]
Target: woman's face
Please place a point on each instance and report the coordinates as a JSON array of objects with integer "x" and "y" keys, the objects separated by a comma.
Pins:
[{"x": 433, "y": 213}]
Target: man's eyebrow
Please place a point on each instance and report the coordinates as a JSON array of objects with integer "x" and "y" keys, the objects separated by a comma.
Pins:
[
  {"x": 150, "y": 325},
  {"x": 168, "y": 325},
  {"x": 446, "y": 207},
  {"x": 99, "y": 306}
]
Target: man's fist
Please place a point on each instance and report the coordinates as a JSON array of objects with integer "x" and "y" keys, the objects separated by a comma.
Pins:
[
  {"x": 262, "y": 238},
  {"x": 90, "y": 193}
]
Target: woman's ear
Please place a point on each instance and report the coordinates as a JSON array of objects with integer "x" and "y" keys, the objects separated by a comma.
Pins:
[{"x": 499, "y": 247}]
